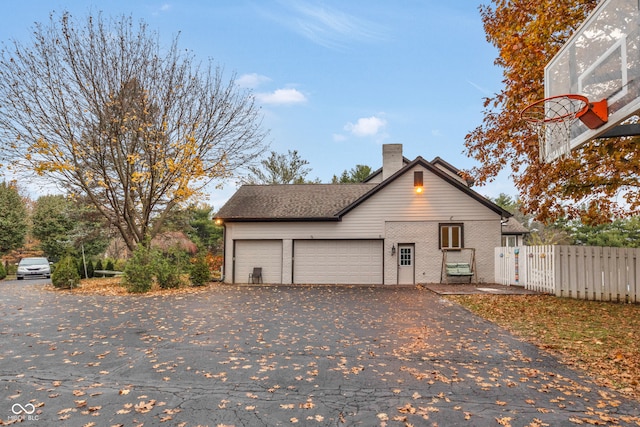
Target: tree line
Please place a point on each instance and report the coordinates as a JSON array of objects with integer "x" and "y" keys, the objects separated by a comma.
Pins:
[
  {"x": 60, "y": 226},
  {"x": 618, "y": 232}
]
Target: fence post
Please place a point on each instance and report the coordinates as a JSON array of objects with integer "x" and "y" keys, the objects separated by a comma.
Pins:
[
  {"x": 557, "y": 270},
  {"x": 593, "y": 266},
  {"x": 524, "y": 266},
  {"x": 634, "y": 287}
]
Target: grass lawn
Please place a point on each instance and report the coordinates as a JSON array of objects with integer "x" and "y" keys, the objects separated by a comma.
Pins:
[{"x": 598, "y": 337}]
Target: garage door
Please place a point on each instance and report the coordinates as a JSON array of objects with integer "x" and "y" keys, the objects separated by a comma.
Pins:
[
  {"x": 337, "y": 261},
  {"x": 266, "y": 254}
]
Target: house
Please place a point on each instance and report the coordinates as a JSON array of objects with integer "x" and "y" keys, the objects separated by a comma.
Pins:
[
  {"x": 513, "y": 233},
  {"x": 390, "y": 229}
]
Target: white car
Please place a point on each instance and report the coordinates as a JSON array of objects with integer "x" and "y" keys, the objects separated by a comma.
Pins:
[{"x": 33, "y": 267}]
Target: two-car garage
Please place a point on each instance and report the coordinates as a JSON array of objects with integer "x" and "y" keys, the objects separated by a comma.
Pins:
[{"x": 313, "y": 261}]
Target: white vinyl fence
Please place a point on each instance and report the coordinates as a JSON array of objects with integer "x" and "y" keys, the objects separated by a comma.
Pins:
[{"x": 582, "y": 272}]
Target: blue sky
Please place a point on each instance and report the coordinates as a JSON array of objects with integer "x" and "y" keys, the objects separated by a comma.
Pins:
[{"x": 335, "y": 79}]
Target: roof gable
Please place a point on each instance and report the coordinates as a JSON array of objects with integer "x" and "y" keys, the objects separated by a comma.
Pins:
[
  {"x": 439, "y": 173},
  {"x": 455, "y": 172}
]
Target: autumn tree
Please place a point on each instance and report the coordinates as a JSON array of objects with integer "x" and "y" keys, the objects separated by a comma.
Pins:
[
  {"x": 356, "y": 174},
  {"x": 539, "y": 233},
  {"x": 598, "y": 181},
  {"x": 278, "y": 168},
  {"x": 103, "y": 110},
  {"x": 13, "y": 218}
]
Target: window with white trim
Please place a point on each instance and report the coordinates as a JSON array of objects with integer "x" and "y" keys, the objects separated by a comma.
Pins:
[{"x": 451, "y": 236}]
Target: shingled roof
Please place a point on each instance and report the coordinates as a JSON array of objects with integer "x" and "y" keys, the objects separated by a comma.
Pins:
[
  {"x": 291, "y": 202},
  {"x": 513, "y": 226}
]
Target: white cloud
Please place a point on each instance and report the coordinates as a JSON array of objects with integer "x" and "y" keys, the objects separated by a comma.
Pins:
[
  {"x": 337, "y": 137},
  {"x": 367, "y": 126},
  {"x": 251, "y": 81},
  {"x": 164, "y": 7},
  {"x": 282, "y": 97}
]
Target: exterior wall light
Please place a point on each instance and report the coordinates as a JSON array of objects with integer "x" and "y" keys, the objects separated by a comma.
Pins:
[
  {"x": 218, "y": 221},
  {"x": 418, "y": 182},
  {"x": 393, "y": 249}
]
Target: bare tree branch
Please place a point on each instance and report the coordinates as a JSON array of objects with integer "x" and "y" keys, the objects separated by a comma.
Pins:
[{"x": 102, "y": 109}]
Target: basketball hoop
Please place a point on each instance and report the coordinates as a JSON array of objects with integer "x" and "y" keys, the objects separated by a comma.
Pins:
[{"x": 552, "y": 119}]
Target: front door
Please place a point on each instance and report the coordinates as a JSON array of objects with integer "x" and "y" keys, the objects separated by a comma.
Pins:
[{"x": 406, "y": 268}]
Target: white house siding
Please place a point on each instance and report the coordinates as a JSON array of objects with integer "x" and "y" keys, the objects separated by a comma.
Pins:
[
  {"x": 483, "y": 235},
  {"x": 398, "y": 201},
  {"x": 424, "y": 234},
  {"x": 266, "y": 254},
  {"x": 395, "y": 203},
  {"x": 338, "y": 261},
  {"x": 480, "y": 235}
]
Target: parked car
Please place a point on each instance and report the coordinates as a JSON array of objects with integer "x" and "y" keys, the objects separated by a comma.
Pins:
[{"x": 33, "y": 267}]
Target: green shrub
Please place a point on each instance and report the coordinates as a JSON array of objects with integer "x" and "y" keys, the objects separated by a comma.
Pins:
[
  {"x": 110, "y": 265},
  {"x": 200, "y": 273},
  {"x": 99, "y": 265},
  {"x": 65, "y": 275},
  {"x": 90, "y": 268},
  {"x": 138, "y": 273},
  {"x": 119, "y": 264},
  {"x": 80, "y": 265},
  {"x": 3, "y": 272},
  {"x": 85, "y": 273},
  {"x": 167, "y": 273}
]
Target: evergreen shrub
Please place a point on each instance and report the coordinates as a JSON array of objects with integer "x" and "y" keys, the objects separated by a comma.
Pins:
[
  {"x": 138, "y": 273},
  {"x": 65, "y": 275},
  {"x": 200, "y": 273}
]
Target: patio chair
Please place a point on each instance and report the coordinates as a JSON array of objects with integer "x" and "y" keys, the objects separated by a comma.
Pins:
[{"x": 256, "y": 275}]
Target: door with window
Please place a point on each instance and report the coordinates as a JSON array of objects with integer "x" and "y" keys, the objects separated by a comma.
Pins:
[{"x": 406, "y": 264}]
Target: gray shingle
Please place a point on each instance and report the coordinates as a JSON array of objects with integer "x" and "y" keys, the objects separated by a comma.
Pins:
[
  {"x": 296, "y": 201},
  {"x": 513, "y": 226}
]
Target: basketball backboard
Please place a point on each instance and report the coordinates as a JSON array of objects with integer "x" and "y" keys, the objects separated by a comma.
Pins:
[{"x": 601, "y": 61}]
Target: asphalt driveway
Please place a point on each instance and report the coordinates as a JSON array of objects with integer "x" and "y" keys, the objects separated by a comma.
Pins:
[{"x": 253, "y": 356}]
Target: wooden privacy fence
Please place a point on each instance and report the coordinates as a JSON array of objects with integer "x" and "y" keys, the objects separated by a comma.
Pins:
[{"x": 582, "y": 272}]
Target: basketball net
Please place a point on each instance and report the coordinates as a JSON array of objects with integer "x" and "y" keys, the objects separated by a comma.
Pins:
[{"x": 552, "y": 120}]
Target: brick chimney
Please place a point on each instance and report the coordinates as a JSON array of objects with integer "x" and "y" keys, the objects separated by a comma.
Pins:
[{"x": 391, "y": 159}]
